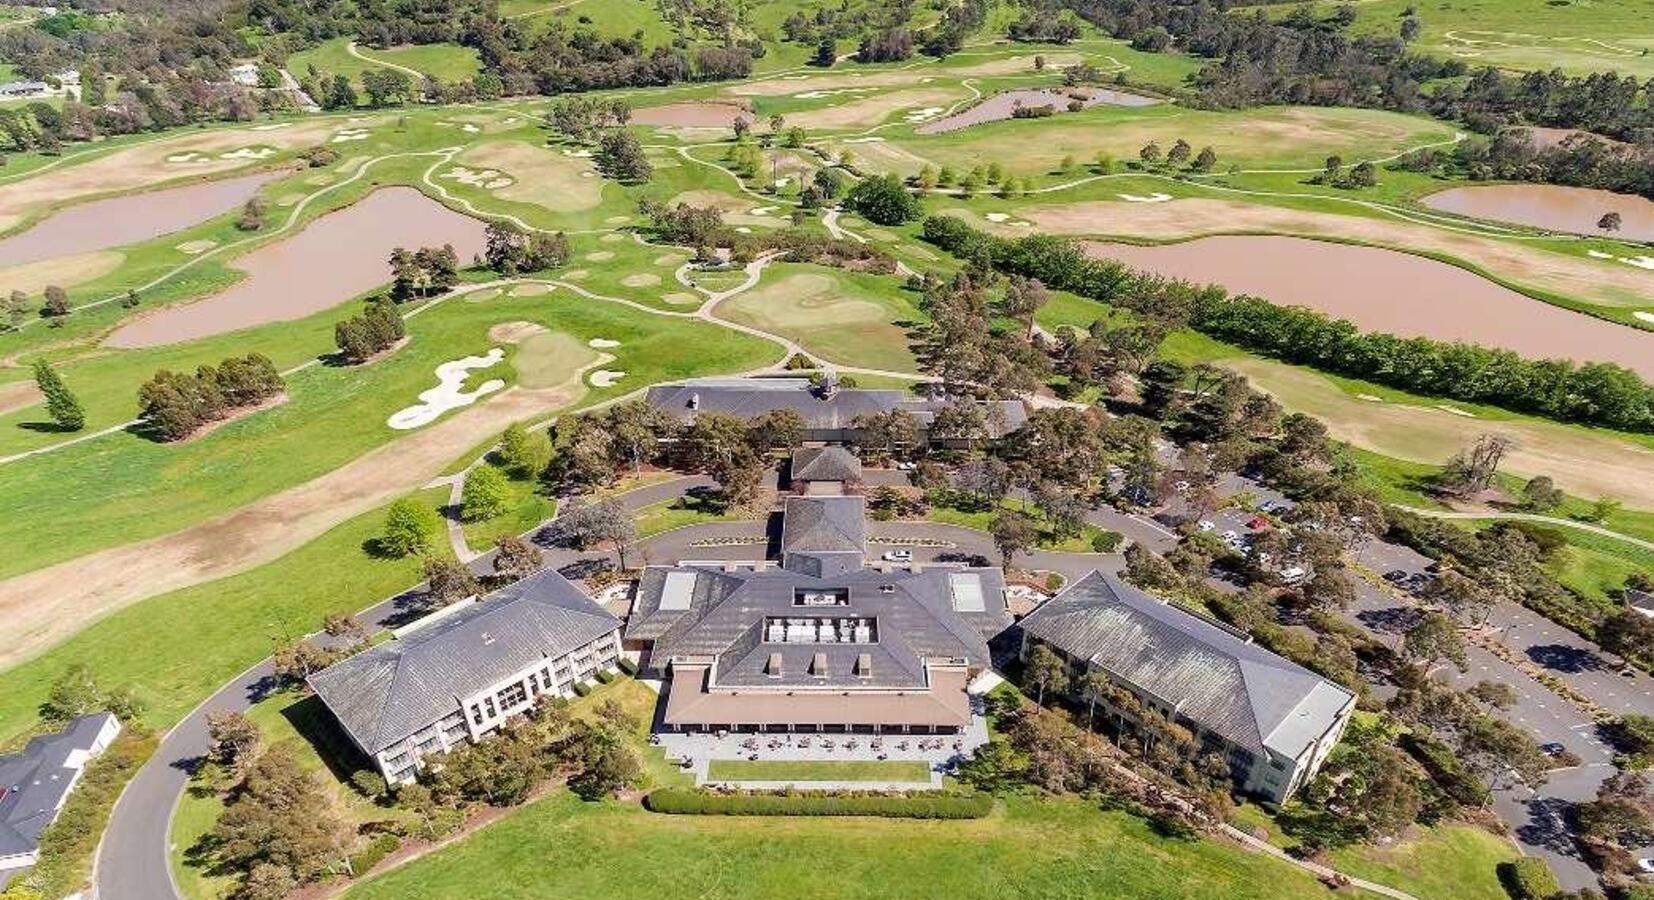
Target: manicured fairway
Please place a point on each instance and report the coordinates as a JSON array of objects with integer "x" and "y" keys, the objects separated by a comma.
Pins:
[{"x": 842, "y": 317}]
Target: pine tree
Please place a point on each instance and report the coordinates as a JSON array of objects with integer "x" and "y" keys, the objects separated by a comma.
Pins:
[{"x": 65, "y": 409}]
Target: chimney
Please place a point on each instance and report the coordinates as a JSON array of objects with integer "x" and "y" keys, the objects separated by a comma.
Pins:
[{"x": 829, "y": 384}]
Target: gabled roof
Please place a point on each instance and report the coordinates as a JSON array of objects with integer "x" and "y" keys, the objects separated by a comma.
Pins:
[
  {"x": 916, "y": 617},
  {"x": 824, "y": 525},
  {"x": 386, "y": 693},
  {"x": 825, "y": 464},
  {"x": 35, "y": 782},
  {"x": 747, "y": 397},
  {"x": 1208, "y": 673}
]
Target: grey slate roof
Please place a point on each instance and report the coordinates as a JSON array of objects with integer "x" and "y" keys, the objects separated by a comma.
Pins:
[
  {"x": 825, "y": 464},
  {"x": 913, "y": 611},
  {"x": 824, "y": 525},
  {"x": 1224, "y": 683},
  {"x": 748, "y": 397},
  {"x": 386, "y": 693},
  {"x": 35, "y": 782}
]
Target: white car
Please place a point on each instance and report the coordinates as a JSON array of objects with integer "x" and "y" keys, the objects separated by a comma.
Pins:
[
  {"x": 1293, "y": 574},
  {"x": 1206, "y": 525},
  {"x": 1646, "y": 864},
  {"x": 898, "y": 556},
  {"x": 1230, "y": 537}
]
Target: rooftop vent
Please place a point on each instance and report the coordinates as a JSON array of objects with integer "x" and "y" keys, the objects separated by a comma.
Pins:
[
  {"x": 818, "y": 664},
  {"x": 864, "y": 665},
  {"x": 773, "y": 667},
  {"x": 487, "y": 638}
]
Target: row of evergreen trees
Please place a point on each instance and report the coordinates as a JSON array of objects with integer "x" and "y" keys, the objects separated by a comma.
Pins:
[
  {"x": 175, "y": 404},
  {"x": 374, "y": 331}
]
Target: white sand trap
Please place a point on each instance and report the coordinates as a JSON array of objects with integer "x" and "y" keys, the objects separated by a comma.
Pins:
[
  {"x": 996, "y": 217},
  {"x": 605, "y": 377},
  {"x": 588, "y": 174},
  {"x": 642, "y": 279},
  {"x": 583, "y": 154},
  {"x": 350, "y": 134},
  {"x": 782, "y": 182},
  {"x": 447, "y": 394},
  {"x": 1455, "y": 411},
  {"x": 194, "y": 247},
  {"x": 618, "y": 220},
  {"x": 486, "y": 178},
  {"x": 744, "y": 229},
  {"x": 762, "y": 211},
  {"x": 1151, "y": 198},
  {"x": 600, "y": 256},
  {"x": 498, "y": 183},
  {"x": 1641, "y": 262},
  {"x": 274, "y": 126},
  {"x": 248, "y": 153},
  {"x": 819, "y": 95},
  {"x": 1598, "y": 254},
  {"x": 1645, "y": 316},
  {"x": 602, "y": 343},
  {"x": 865, "y": 140},
  {"x": 468, "y": 128},
  {"x": 924, "y": 114},
  {"x": 510, "y": 121},
  {"x": 190, "y": 156},
  {"x": 1020, "y": 223}
]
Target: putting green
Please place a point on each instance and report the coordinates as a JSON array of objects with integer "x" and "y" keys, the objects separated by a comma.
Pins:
[
  {"x": 539, "y": 176},
  {"x": 839, "y": 317}
]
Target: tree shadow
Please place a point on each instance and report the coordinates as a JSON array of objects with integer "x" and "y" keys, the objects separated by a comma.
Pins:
[
  {"x": 46, "y": 428},
  {"x": 1548, "y": 826},
  {"x": 1562, "y": 658},
  {"x": 316, "y": 725},
  {"x": 1390, "y": 620}
]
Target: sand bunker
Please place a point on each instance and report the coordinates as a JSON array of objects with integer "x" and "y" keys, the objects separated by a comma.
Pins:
[
  {"x": 248, "y": 153},
  {"x": 190, "y": 156},
  {"x": 642, "y": 279},
  {"x": 1149, "y": 198},
  {"x": 1641, "y": 262},
  {"x": 604, "y": 377},
  {"x": 492, "y": 179},
  {"x": 995, "y": 217},
  {"x": 346, "y": 135},
  {"x": 449, "y": 393},
  {"x": 602, "y": 343},
  {"x": 276, "y": 126},
  {"x": 539, "y": 176}
]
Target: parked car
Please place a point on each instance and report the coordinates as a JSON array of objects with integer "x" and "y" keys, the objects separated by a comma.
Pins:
[
  {"x": 1294, "y": 574},
  {"x": 1646, "y": 864},
  {"x": 1206, "y": 525},
  {"x": 898, "y": 556},
  {"x": 1553, "y": 748},
  {"x": 1396, "y": 576}
]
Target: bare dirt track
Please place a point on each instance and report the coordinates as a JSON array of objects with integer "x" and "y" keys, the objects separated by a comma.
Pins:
[
  {"x": 1607, "y": 283},
  {"x": 40, "y": 608}
]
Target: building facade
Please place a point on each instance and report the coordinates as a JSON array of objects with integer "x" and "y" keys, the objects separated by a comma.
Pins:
[
  {"x": 462, "y": 673},
  {"x": 1272, "y": 720}
]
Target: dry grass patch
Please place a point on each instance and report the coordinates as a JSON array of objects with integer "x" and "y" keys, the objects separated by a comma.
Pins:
[
  {"x": 1583, "y": 462},
  {"x": 642, "y": 279},
  {"x": 63, "y": 271},
  {"x": 876, "y": 109},
  {"x": 1012, "y": 65},
  {"x": 1597, "y": 281},
  {"x": 18, "y": 395},
  {"x": 542, "y": 177},
  {"x": 690, "y": 114}
]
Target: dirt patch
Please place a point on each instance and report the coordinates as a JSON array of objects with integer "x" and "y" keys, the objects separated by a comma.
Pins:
[
  {"x": 669, "y": 259},
  {"x": 600, "y": 256},
  {"x": 64, "y": 271},
  {"x": 1395, "y": 292},
  {"x": 18, "y": 395},
  {"x": 1014, "y": 64},
  {"x": 1598, "y": 281},
  {"x": 87, "y": 588},
  {"x": 195, "y": 247},
  {"x": 679, "y": 298},
  {"x": 482, "y": 296},
  {"x": 873, "y": 110},
  {"x": 693, "y": 115},
  {"x": 776, "y": 87},
  {"x": 1585, "y": 463},
  {"x": 541, "y": 177},
  {"x": 333, "y": 259}
]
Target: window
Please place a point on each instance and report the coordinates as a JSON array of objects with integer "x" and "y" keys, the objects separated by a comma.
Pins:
[
  {"x": 1277, "y": 765},
  {"x": 476, "y": 714},
  {"x": 430, "y": 746},
  {"x": 488, "y": 704},
  {"x": 566, "y": 687},
  {"x": 513, "y": 696},
  {"x": 404, "y": 775},
  {"x": 398, "y": 759}
]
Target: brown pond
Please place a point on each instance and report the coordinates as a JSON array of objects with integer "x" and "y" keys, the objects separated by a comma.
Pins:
[
  {"x": 1550, "y": 206},
  {"x": 119, "y": 221},
  {"x": 1002, "y": 105},
  {"x": 1387, "y": 290},
  {"x": 336, "y": 257}
]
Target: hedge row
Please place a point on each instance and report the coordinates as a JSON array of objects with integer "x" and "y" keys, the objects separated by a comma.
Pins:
[
  {"x": 381, "y": 846},
  {"x": 69, "y": 843},
  {"x": 1529, "y": 878},
  {"x": 677, "y": 801}
]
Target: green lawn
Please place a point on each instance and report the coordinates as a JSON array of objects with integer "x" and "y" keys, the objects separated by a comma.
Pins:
[
  {"x": 981, "y": 520},
  {"x": 823, "y": 770},
  {"x": 847, "y": 318},
  {"x": 449, "y": 62},
  {"x": 526, "y": 507},
  {"x": 561, "y": 847},
  {"x": 669, "y": 514},
  {"x": 196, "y": 639}
]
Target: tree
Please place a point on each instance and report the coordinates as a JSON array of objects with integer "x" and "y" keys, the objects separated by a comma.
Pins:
[
  {"x": 57, "y": 302},
  {"x": 1622, "y": 813},
  {"x": 74, "y": 693},
  {"x": 448, "y": 582},
  {"x": 515, "y": 558},
  {"x": 1496, "y": 694},
  {"x": 1628, "y": 634},
  {"x": 61, "y": 403},
  {"x": 1147, "y": 570},
  {"x": 252, "y": 215},
  {"x": 1491, "y": 745},
  {"x": 485, "y": 494},
  {"x": 1541, "y": 494},
  {"x": 884, "y": 200},
  {"x": 1330, "y": 589},
  {"x": 1046, "y": 672},
  {"x": 294, "y": 661},
  {"x": 1179, "y": 154},
  {"x": 1150, "y": 154},
  {"x": 1094, "y": 687},
  {"x": 605, "y": 521},
  {"x": 1023, "y": 298},
  {"x": 826, "y": 53},
  {"x": 1206, "y": 160},
  {"x": 279, "y": 816},
  {"x": 233, "y": 739},
  {"x": 996, "y": 767},
  {"x": 1471, "y": 471},
  {"x": 621, "y": 157},
  {"x": 410, "y": 527},
  {"x": 1013, "y": 533},
  {"x": 1432, "y": 638},
  {"x": 1610, "y": 221}
]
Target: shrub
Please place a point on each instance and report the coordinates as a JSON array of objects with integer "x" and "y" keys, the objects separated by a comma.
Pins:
[
  {"x": 604, "y": 676},
  {"x": 677, "y": 801},
  {"x": 582, "y": 688},
  {"x": 883, "y": 200},
  {"x": 1529, "y": 878},
  {"x": 627, "y": 666},
  {"x": 1445, "y": 770},
  {"x": 381, "y": 846},
  {"x": 1107, "y": 541}
]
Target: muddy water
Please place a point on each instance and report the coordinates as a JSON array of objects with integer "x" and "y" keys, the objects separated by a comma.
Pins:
[
  {"x": 118, "y": 221},
  {"x": 333, "y": 259},
  {"x": 1000, "y": 106},
  {"x": 1550, "y": 206},
  {"x": 1387, "y": 290}
]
